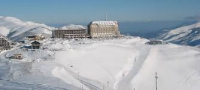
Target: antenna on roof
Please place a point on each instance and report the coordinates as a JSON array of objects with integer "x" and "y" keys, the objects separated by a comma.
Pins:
[{"x": 106, "y": 17}]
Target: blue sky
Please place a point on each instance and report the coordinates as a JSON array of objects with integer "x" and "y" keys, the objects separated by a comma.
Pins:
[{"x": 77, "y": 11}]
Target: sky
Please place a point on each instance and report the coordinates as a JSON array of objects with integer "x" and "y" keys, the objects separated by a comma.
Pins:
[{"x": 77, "y": 11}]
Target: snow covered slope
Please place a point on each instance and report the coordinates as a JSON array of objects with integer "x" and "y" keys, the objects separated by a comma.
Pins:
[
  {"x": 100, "y": 64},
  {"x": 16, "y": 29},
  {"x": 189, "y": 35}
]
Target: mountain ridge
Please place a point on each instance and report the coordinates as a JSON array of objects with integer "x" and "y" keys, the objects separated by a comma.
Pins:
[
  {"x": 16, "y": 29},
  {"x": 185, "y": 35}
]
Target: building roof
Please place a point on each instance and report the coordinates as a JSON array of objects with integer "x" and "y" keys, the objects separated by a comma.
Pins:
[
  {"x": 105, "y": 22},
  {"x": 30, "y": 36},
  {"x": 72, "y": 27},
  {"x": 35, "y": 42}
]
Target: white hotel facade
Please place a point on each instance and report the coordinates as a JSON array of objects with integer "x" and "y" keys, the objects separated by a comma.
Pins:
[{"x": 103, "y": 29}]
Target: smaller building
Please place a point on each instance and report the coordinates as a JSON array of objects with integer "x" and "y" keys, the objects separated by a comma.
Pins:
[
  {"x": 35, "y": 45},
  {"x": 5, "y": 43},
  {"x": 76, "y": 33},
  {"x": 16, "y": 56},
  {"x": 154, "y": 42},
  {"x": 31, "y": 37}
]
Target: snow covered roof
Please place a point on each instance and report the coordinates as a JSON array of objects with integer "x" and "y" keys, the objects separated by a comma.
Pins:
[
  {"x": 105, "y": 22},
  {"x": 35, "y": 42},
  {"x": 72, "y": 27}
]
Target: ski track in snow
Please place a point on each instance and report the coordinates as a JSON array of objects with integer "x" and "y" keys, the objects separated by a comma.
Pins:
[
  {"x": 81, "y": 81},
  {"x": 125, "y": 83}
]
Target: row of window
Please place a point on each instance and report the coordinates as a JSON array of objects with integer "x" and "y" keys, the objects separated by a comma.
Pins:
[
  {"x": 97, "y": 26},
  {"x": 3, "y": 40},
  {"x": 104, "y": 28},
  {"x": 103, "y": 31},
  {"x": 103, "y": 35},
  {"x": 4, "y": 43},
  {"x": 74, "y": 35},
  {"x": 73, "y": 31}
]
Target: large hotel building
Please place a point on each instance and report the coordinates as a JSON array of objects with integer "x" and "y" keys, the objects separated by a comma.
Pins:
[{"x": 103, "y": 29}]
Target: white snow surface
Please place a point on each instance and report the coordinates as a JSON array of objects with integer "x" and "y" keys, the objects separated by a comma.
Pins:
[{"x": 100, "y": 64}]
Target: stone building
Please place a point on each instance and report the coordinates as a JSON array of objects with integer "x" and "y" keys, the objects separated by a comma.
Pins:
[
  {"x": 5, "y": 43},
  {"x": 103, "y": 29},
  {"x": 76, "y": 33}
]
